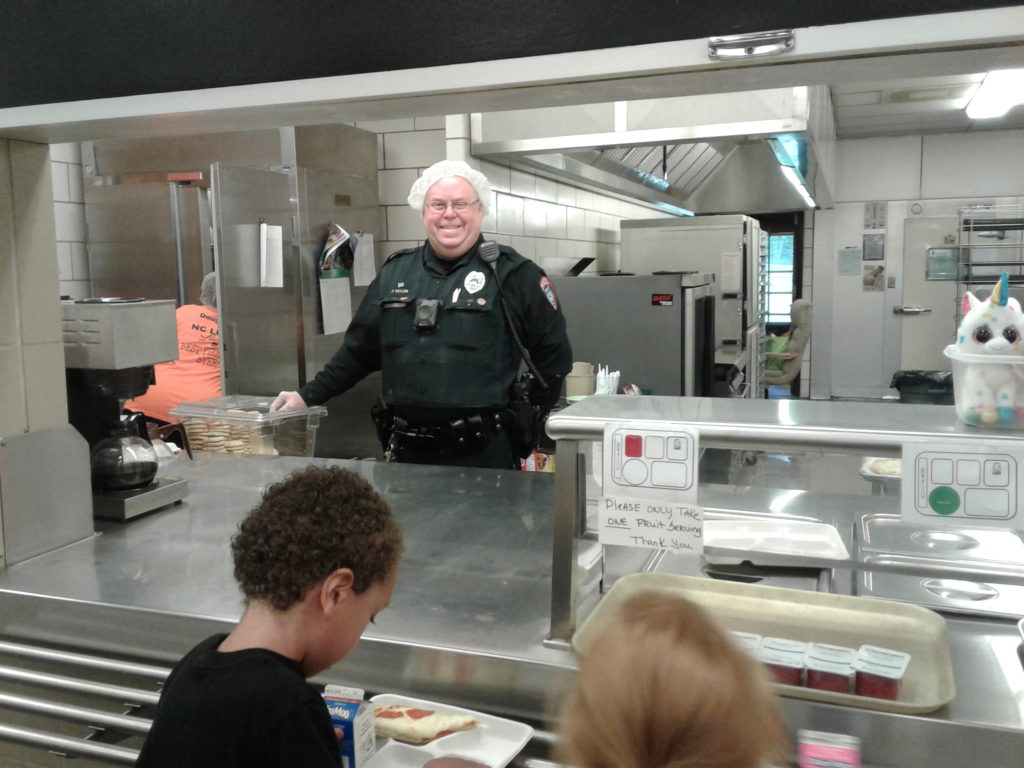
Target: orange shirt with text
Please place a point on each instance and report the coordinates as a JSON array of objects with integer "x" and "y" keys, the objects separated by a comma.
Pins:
[{"x": 195, "y": 375}]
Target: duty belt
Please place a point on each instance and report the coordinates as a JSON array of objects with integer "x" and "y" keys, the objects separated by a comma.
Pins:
[{"x": 461, "y": 435}]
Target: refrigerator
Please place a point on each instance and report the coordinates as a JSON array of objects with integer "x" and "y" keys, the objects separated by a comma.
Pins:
[
  {"x": 656, "y": 330},
  {"x": 161, "y": 213},
  {"x": 735, "y": 250}
]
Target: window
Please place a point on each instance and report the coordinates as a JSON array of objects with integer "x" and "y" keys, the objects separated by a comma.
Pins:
[{"x": 780, "y": 277}]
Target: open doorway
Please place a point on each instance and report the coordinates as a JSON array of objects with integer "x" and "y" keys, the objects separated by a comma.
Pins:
[{"x": 783, "y": 278}]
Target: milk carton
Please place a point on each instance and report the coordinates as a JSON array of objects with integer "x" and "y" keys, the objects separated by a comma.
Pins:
[{"x": 354, "y": 717}]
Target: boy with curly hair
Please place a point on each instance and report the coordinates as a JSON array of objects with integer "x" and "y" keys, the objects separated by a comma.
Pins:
[{"x": 316, "y": 560}]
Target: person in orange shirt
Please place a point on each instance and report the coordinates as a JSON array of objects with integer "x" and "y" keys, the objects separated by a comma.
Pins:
[{"x": 195, "y": 375}]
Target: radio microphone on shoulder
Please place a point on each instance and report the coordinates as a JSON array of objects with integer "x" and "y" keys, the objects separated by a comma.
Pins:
[{"x": 489, "y": 251}]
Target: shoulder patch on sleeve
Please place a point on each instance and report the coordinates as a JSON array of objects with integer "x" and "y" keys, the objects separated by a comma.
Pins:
[{"x": 549, "y": 291}]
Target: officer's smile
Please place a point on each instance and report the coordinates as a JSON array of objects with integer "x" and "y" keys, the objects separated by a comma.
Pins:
[{"x": 455, "y": 229}]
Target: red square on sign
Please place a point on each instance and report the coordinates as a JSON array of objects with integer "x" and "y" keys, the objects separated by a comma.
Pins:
[{"x": 634, "y": 445}]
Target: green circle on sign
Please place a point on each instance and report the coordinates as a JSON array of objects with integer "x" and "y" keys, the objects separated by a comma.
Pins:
[{"x": 944, "y": 500}]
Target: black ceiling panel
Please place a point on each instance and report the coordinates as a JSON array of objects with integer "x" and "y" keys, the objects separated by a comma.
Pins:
[{"x": 68, "y": 50}]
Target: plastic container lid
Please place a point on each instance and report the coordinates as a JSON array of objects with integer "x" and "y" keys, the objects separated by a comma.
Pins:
[
  {"x": 248, "y": 408},
  {"x": 838, "y": 654},
  {"x": 784, "y": 644},
  {"x": 966, "y": 357},
  {"x": 885, "y": 657}
]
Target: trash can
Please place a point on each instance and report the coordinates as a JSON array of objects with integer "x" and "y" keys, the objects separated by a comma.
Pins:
[{"x": 933, "y": 387}]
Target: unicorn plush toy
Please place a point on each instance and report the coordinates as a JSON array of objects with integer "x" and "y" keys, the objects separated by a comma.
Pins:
[{"x": 994, "y": 326}]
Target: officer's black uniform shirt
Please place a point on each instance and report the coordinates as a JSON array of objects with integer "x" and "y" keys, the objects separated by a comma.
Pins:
[{"x": 531, "y": 299}]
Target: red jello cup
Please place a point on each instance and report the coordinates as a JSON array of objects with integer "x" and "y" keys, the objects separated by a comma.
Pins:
[
  {"x": 786, "y": 667},
  {"x": 880, "y": 671},
  {"x": 829, "y": 675}
]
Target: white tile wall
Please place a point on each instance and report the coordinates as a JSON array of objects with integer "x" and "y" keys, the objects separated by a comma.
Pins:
[
  {"x": 413, "y": 150},
  {"x": 535, "y": 218},
  {"x": 500, "y": 176},
  {"x": 394, "y": 185},
  {"x": 510, "y": 215},
  {"x": 404, "y": 223},
  {"x": 69, "y": 216}
]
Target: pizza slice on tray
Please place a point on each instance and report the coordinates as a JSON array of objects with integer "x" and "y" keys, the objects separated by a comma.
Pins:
[{"x": 416, "y": 725}]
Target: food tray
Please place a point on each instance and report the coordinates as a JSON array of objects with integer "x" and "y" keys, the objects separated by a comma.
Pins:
[
  {"x": 493, "y": 742},
  {"x": 813, "y": 617}
]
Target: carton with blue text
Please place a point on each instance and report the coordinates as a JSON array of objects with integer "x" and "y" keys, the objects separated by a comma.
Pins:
[{"x": 353, "y": 717}]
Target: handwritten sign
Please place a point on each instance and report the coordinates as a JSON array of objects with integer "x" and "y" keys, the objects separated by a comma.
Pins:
[{"x": 669, "y": 525}]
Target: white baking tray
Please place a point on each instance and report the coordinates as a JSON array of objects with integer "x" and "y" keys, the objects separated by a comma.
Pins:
[
  {"x": 774, "y": 537},
  {"x": 494, "y": 741},
  {"x": 813, "y": 617}
]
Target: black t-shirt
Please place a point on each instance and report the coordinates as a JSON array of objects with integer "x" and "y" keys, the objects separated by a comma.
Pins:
[{"x": 250, "y": 709}]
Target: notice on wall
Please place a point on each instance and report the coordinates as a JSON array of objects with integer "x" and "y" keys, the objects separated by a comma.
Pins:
[
  {"x": 874, "y": 277},
  {"x": 649, "y": 480},
  {"x": 874, "y": 215},
  {"x": 848, "y": 261},
  {"x": 874, "y": 247},
  {"x": 364, "y": 268},
  {"x": 335, "y": 304}
]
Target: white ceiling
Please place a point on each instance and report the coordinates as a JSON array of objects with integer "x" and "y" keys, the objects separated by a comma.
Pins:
[{"x": 912, "y": 106}]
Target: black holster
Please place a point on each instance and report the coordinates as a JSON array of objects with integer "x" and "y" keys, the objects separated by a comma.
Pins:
[
  {"x": 525, "y": 423},
  {"x": 384, "y": 422}
]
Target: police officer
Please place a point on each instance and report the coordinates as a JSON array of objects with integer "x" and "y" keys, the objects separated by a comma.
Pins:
[{"x": 449, "y": 324}]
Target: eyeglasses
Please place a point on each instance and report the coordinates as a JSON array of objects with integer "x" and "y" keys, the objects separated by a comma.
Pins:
[{"x": 440, "y": 206}]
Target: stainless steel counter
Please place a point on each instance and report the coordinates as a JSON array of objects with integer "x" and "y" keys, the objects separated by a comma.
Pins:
[
  {"x": 471, "y": 610},
  {"x": 877, "y": 429}
]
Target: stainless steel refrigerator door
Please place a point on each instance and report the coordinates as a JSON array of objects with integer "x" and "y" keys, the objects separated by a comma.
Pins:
[
  {"x": 613, "y": 321},
  {"x": 696, "y": 245},
  {"x": 260, "y": 327}
]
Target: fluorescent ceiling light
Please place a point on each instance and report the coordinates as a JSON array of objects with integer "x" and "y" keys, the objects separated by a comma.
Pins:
[
  {"x": 998, "y": 93},
  {"x": 794, "y": 178}
]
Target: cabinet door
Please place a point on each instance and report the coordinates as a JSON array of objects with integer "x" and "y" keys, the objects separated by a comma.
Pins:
[{"x": 258, "y": 325}]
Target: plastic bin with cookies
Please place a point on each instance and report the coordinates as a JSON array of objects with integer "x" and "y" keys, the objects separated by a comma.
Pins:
[{"x": 243, "y": 424}]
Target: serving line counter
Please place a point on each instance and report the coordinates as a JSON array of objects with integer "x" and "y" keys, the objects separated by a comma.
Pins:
[{"x": 470, "y": 623}]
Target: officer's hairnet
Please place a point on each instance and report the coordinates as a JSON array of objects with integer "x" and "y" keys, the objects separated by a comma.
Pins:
[
  {"x": 443, "y": 170},
  {"x": 208, "y": 293}
]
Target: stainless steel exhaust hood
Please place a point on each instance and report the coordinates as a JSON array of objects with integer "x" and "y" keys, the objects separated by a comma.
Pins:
[{"x": 723, "y": 153}]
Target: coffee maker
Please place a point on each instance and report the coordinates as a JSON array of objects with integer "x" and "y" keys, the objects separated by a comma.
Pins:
[{"x": 110, "y": 348}]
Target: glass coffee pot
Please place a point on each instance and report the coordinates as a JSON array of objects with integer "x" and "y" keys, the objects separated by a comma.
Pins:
[{"x": 124, "y": 460}]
